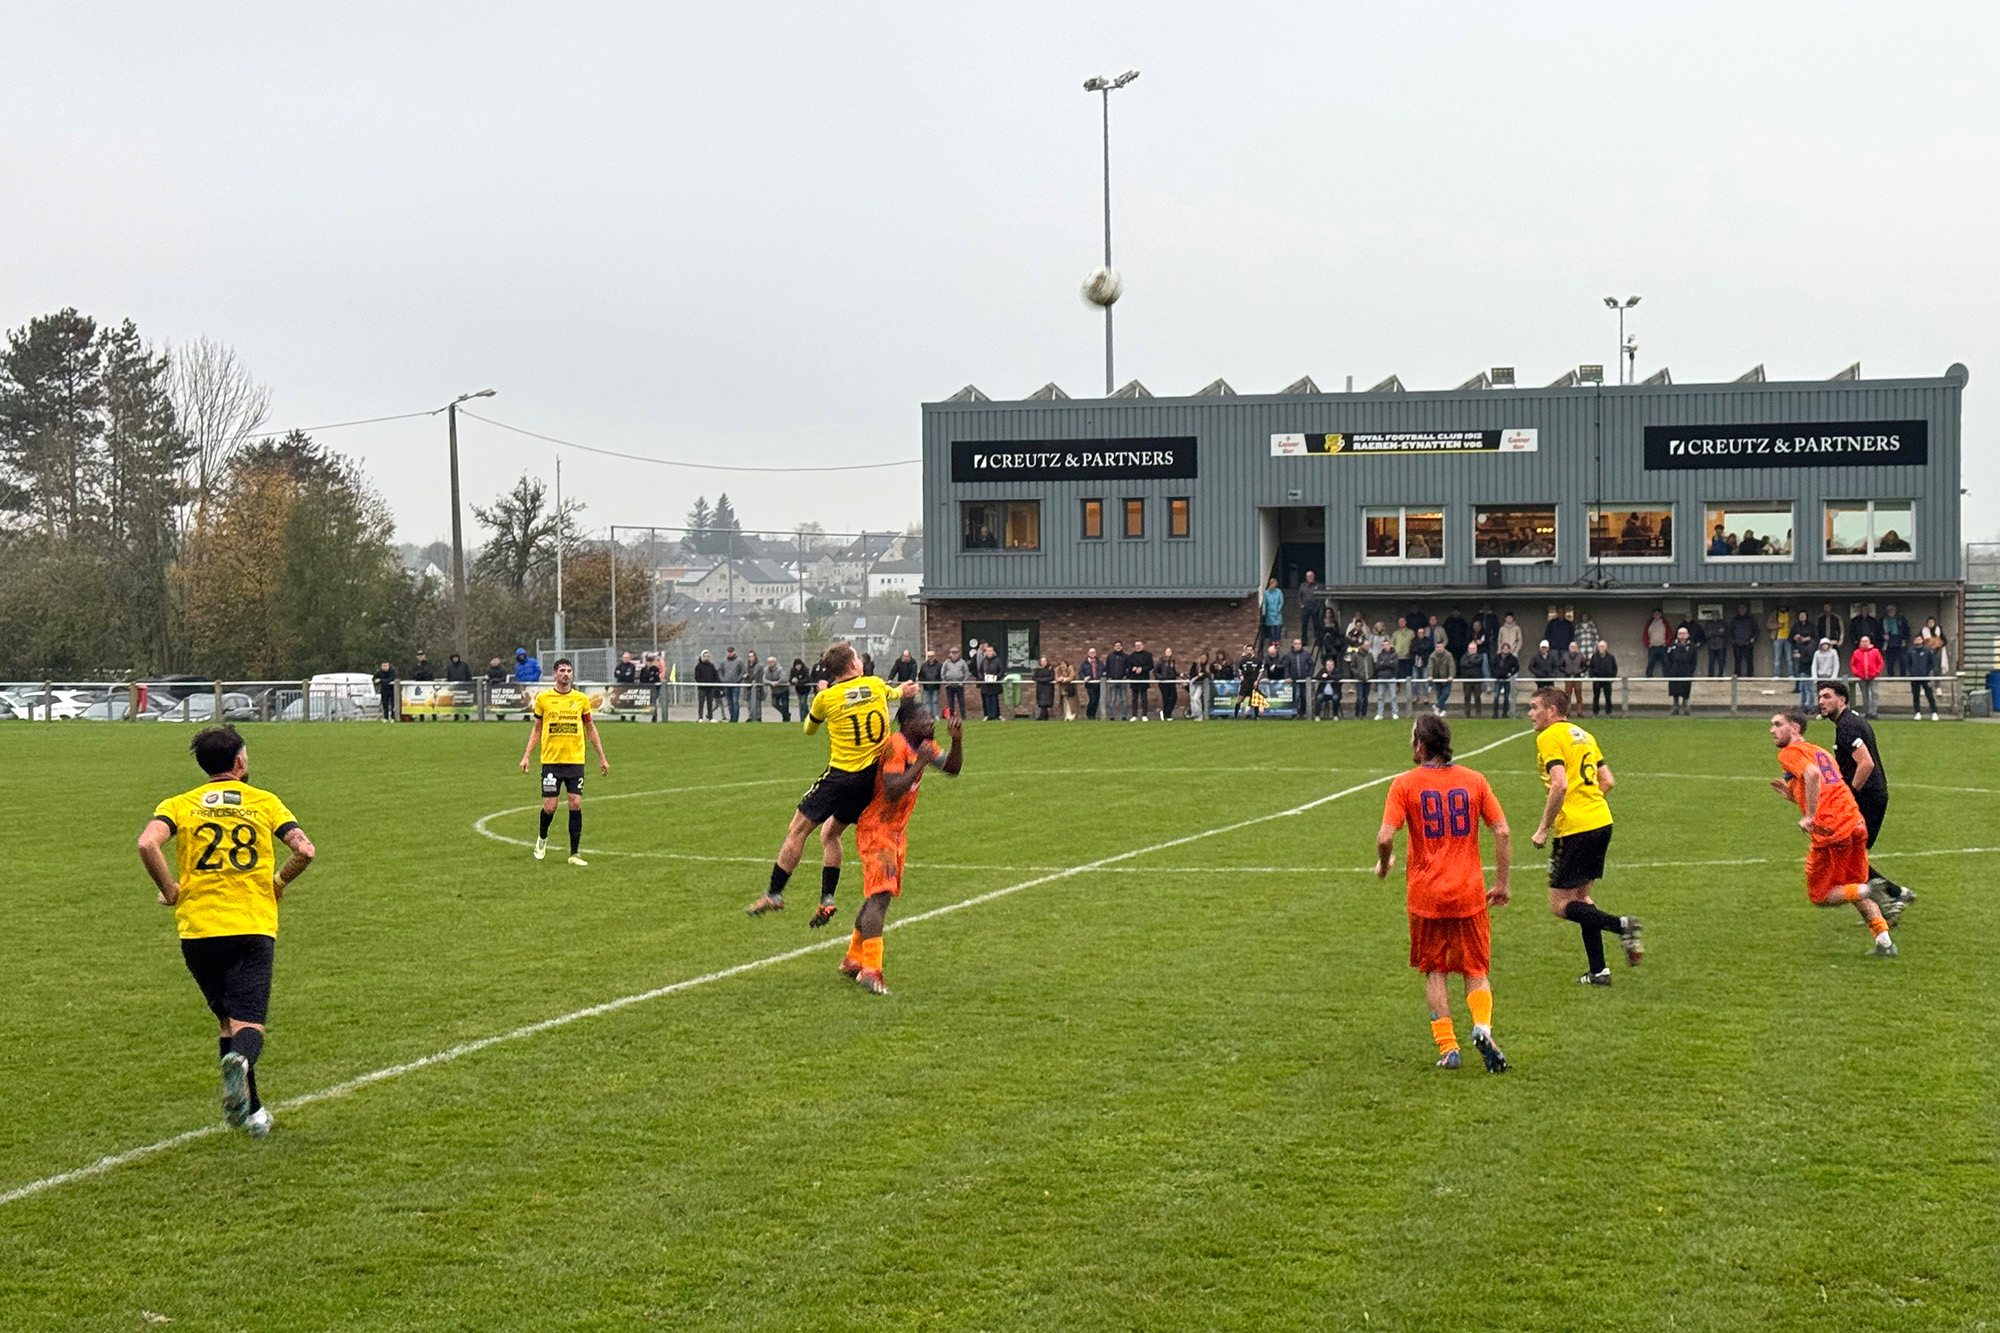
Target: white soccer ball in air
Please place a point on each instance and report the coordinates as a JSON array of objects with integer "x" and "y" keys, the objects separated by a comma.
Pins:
[{"x": 1103, "y": 286}]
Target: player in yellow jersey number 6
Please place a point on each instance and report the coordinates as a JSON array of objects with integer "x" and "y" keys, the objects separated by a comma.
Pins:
[
  {"x": 562, "y": 720},
  {"x": 854, "y": 709}
]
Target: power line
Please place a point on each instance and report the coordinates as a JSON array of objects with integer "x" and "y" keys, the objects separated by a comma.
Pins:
[
  {"x": 336, "y": 425},
  {"x": 675, "y": 462}
]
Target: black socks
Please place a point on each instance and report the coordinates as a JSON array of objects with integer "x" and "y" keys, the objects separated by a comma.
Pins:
[
  {"x": 778, "y": 877},
  {"x": 248, "y": 1043},
  {"x": 575, "y": 830},
  {"x": 548, "y": 817},
  {"x": 829, "y": 880},
  {"x": 1593, "y": 920}
]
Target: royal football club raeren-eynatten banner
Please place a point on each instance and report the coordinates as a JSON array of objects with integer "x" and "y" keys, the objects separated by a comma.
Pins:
[
  {"x": 1519, "y": 441},
  {"x": 1789, "y": 444},
  {"x": 1163, "y": 458}
]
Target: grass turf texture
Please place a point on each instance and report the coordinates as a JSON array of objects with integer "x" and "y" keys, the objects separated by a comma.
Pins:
[{"x": 1162, "y": 1094}]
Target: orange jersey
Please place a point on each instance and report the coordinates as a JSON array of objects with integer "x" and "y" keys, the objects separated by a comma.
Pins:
[
  {"x": 1838, "y": 818},
  {"x": 1442, "y": 807},
  {"x": 880, "y": 834}
]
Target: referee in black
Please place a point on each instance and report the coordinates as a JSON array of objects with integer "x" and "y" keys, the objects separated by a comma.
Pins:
[{"x": 1860, "y": 763}]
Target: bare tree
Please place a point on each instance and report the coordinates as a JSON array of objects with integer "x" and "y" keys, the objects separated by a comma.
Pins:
[{"x": 220, "y": 406}]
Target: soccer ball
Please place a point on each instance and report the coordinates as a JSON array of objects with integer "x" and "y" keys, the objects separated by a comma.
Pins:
[{"x": 1103, "y": 286}]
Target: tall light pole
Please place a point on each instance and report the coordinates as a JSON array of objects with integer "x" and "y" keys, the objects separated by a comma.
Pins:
[
  {"x": 1628, "y": 353},
  {"x": 1107, "y": 87},
  {"x": 460, "y": 633}
]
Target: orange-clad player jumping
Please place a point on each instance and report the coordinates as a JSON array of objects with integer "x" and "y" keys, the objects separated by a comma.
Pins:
[
  {"x": 1837, "y": 858},
  {"x": 1443, "y": 804},
  {"x": 879, "y": 836}
]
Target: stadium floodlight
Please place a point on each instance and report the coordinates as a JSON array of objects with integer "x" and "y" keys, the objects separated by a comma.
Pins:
[
  {"x": 1099, "y": 84},
  {"x": 461, "y": 633},
  {"x": 1628, "y": 351},
  {"x": 1590, "y": 374}
]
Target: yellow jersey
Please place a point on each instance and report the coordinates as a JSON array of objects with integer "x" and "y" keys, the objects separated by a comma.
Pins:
[
  {"x": 562, "y": 715},
  {"x": 856, "y": 716},
  {"x": 229, "y": 838},
  {"x": 1583, "y": 807}
]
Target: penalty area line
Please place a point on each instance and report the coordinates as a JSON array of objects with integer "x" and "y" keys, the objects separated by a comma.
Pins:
[{"x": 105, "y": 1165}]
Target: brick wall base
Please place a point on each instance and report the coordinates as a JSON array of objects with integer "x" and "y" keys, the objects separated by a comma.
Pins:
[{"x": 1189, "y": 626}]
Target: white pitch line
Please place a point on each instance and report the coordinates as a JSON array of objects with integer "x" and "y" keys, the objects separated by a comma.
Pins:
[{"x": 106, "y": 1164}]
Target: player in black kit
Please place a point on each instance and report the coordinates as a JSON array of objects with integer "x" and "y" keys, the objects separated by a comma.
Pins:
[{"x": 1861, "y": 769}]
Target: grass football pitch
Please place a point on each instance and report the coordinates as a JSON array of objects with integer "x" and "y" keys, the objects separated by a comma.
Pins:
[{"x": 1167, "y": 1068}]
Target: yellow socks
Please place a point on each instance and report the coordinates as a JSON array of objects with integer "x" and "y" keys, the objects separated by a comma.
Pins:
[
  {"x": 1480, "y": 1002},
  {"x": 871, "y": 953},
  {"x": 1442, "y": 1034}
]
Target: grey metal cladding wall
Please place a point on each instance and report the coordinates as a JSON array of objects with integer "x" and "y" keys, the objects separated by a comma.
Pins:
[{"x": 1238, "y": 476}]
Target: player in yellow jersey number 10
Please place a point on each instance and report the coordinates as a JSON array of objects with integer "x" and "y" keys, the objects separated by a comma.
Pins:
[{"x": 854, "y": 709}]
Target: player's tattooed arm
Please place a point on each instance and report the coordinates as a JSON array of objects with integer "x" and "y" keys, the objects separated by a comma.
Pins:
[
  {"x": 951, "y": 763},
  {"x": 597, "y": 743},
  {"x": 302, "y": 856},
  {"x": 534, "y": 735},
  {"x": 151, "y": 839},
  {"x": 1810, "y": 803}
]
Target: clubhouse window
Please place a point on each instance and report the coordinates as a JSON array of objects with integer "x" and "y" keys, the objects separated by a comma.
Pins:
[
  {"x": 1001, "y": 525},
  {"x": 1514, "y": 532},
  {"x": 1751, "y": 530},
  {"x": 1632, "y": 532},
  {"x": 1402, "y": 535},
  {"x": 1093, "y": 520},
  {"x": 1135, "y": 518},
  {"x": 1870, "y": 529},
  {"x": 1179, "y": 523}
]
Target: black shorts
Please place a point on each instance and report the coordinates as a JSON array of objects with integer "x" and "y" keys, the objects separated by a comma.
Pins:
[
  {"x": 839, "y": 794},
  {"x": 562, "y": 777},
  {"x": 1874, "y": 806},
  {"x": 1577, "y": 859},
  {"x": 234, "y": 973}
]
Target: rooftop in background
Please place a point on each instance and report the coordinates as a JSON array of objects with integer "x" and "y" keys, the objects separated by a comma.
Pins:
[{"x": 1499, "y": 381}]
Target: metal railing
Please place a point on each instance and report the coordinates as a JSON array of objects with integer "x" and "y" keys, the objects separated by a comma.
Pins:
[{"x": 1014, "y": 696}]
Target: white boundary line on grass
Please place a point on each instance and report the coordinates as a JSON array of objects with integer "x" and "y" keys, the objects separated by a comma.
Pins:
[{"x": 103, "y": 1165}]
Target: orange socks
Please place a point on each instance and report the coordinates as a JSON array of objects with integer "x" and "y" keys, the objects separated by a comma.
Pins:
[
  {"x": 1442, "y": 1034},
  {"x": 1480, "y": 1002},
  {"x": 871, "y": 953},
  {"x": 854, "y": 948}
]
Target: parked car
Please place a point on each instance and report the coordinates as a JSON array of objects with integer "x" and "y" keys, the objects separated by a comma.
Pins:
[
  {"x": 236, "y": 707},
  {"x": 38, "y": 705},
  {"x": 326, "y": 707},
  {"x": 113, "y": 710}
]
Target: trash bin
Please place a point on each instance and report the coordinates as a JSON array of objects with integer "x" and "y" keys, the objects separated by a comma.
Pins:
[
  {"x": 1979, "y": 703},
  {"x": 1993, "y": 685}
]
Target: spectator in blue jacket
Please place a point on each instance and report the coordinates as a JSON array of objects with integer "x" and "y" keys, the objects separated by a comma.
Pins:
[
  {"x": 1272, "y": 626},
  {"x": 526, "y": 669}
]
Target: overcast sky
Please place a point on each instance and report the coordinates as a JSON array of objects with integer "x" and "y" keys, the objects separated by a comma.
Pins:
[{"x": 764, "y": 234}]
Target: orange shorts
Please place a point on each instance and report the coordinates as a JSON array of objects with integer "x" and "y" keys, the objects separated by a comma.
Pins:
[
  {"x": 1461, "y": 944},
  {"x": 1833, "y": 864},
  {"x": 882, "y": 865}
]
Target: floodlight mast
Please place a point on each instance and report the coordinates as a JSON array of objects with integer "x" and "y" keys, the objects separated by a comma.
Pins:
[
  {"x": 1628, "y": 352},
  {"x": 1105, "y": 87}
]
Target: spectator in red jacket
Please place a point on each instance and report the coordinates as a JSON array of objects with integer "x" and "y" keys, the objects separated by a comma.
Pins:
[{"x": 1866, "y": 664}]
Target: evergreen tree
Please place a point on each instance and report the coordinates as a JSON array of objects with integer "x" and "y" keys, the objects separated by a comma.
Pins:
[{"x": 699, "y": 520}]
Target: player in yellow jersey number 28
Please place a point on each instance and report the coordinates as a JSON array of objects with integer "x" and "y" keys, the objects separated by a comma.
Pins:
[
  {"x": 854, "y": 709},
  {"x": 224, "y": 890}
]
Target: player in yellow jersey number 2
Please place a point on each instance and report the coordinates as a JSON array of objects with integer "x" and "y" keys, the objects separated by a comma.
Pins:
[
  {"x": 562, "y": 720},
  {"x": 224, "y": 892},
  {"x": 854, "y": 709}
]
